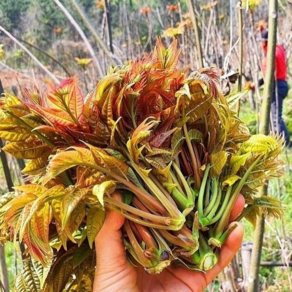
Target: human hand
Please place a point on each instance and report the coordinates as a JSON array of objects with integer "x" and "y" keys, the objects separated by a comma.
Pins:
[{"x": 115, "y": 274}]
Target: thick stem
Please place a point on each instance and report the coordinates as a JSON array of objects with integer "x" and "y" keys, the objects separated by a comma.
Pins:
[
  {"x": 173, "y": 211},
  {"x": 183, "y": 181},
  {"x": 214, "y": 195},
  {"x": 136, "y": 246},
  {"x": 214, "y": 209},
  {"x": 223, "y": 206},
  {"x": 152, "y": 203},
  {"x": 202, "y": 191},
  {"x": 193, "y": 157},
  {"x": 146, "y": 236},
  {"x": 137, "y": 212}
]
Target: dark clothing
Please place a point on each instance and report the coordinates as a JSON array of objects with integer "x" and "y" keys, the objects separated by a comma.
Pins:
[{"x": 279, "y": 93}]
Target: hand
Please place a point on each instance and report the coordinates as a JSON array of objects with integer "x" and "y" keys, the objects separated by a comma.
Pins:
[{"x": 115, "y": 274}]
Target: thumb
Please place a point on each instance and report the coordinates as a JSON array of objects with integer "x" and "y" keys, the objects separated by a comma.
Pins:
[{"x": 109, "y": 245}]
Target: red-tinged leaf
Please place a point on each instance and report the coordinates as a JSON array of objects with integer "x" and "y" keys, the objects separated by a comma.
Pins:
[
  {"x": 58, "y": 118},
  {"x": 54, "y": 132},
  {"x": 167, "y": 58},
  {"x": 25, "y": 150},
  {"x": 77, "y": 217},
  {"x": 32, "y": 95},
  {"x": 14, "y": 207},
  {"x": 76, "y": 98},
  {"x": 37, "y": 166},
  {"x": 95, "y": 139},
  {"x": 53, "y": 193},
  {"x": 108, "y": 162},
  {"x": 95, "y": 219},
  {"x": 67, "y": 97},
  {"x": 67, "y": 159},
  {"x": 141, "y": 133},
  {"x": 58, "y": 213},
  {"x": 35, "y": 229},
  {"x": 98, "y": 96},
  {"x": 43, "y": 218},
  {"x": 33, "y": 245},
  {"x": 15, "y": 135},
  {"x": 87, "y": 177},
  {"x": 34, "y": 189}
]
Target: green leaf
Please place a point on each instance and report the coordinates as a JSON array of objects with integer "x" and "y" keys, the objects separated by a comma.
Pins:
[
  {"x": 81, "y": 254},
  {"x": 237, "y": 161},
  {"x": 100, "y": 190},
  {"x": 95, "y": 219},
  {"x": 28, "y": 279},
  {"x": 234, "y": 97},
  {"x": 230, "y": 180},
  {"x": 218, "y": 161},
  {"x": 127, "y": 197},
  {"x": 177, "y": 141},
  {"x": 195, "y": 135}
]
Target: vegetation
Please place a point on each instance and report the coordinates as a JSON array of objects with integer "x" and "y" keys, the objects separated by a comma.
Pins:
[{"x": 119, "y": 31}]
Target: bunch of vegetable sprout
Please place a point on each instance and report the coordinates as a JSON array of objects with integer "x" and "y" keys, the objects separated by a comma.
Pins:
[{"x": 166, "y": 141}]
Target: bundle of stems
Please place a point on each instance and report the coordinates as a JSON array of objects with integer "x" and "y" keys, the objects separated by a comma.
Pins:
[{"x": 166, "y": 141}]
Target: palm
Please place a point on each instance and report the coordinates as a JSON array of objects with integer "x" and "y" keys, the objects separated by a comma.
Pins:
[{"x": 168, "y": 280}]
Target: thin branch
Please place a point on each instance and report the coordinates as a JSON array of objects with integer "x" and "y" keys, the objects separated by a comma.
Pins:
[
  {"x": 112, "y": 57},
  {"x": 82, "y": 35},
  {"x": 30, "y": 54}
]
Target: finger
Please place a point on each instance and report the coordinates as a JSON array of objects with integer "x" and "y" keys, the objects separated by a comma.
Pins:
[
  {"x": 109, "y": 242},
  {"x": 228, "y": 251},
  {"x": 237, "y": 208}
]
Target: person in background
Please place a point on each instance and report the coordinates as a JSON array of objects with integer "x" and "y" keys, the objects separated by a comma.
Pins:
[
  {"x": 227, "y": 80},
  {"x": 280, "y": 90}
]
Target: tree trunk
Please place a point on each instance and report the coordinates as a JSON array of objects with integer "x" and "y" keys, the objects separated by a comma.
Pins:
[
  {"x": 197, "y": 35},
  {"x": 109, "y": 24},
  {"x": 3, "y": 269},
  {"x": 240, "y": 32},
  {"x": 3, "y": 266},
  {"x": 264, "y": 129}
]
